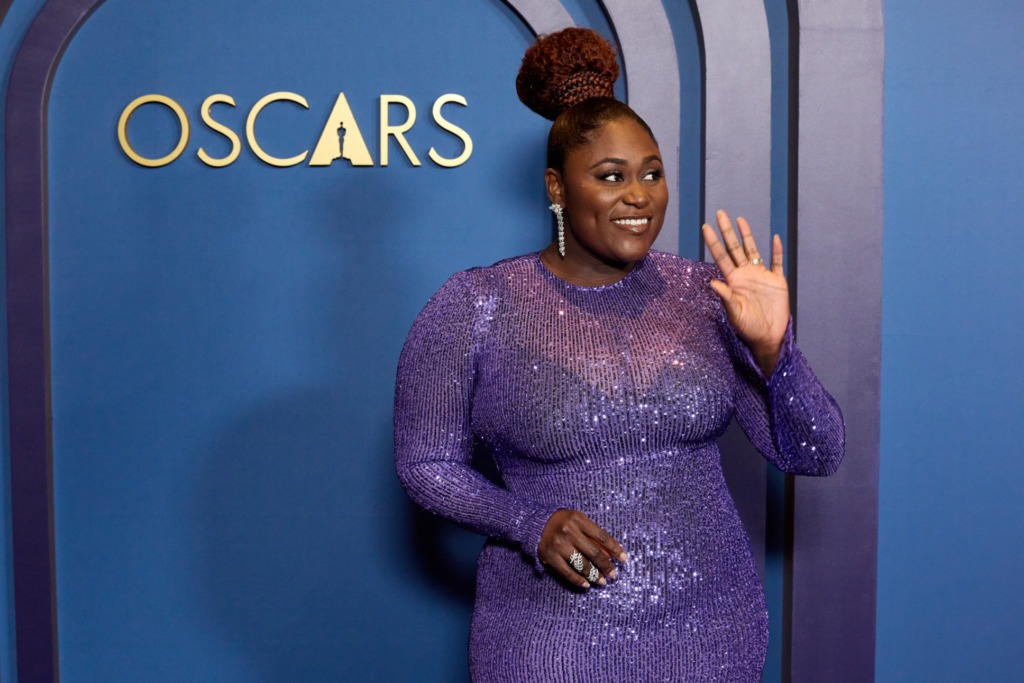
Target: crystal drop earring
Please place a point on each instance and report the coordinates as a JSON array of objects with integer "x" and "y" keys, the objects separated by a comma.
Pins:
[{"x": 557, "y": 209}]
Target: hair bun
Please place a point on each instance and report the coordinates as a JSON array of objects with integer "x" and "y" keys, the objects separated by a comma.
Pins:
[{"x": 562, "y": 69}]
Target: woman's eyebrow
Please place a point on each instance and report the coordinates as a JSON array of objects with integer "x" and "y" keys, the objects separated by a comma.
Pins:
[
  {"x": 609, "y": 160},
  {"x": 622, "y": 162}
]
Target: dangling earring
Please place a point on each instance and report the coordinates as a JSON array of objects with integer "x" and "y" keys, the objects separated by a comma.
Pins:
[{"x": 557, "y": 208}]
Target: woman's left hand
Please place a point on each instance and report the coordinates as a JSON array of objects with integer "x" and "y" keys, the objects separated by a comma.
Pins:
[{"x": 756, "y": 298}]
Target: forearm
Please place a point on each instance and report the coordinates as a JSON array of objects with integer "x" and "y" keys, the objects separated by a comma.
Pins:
[
  {"x": 461, "y": 494},
  {"x": 807, "y": 425},
  {"x": 787, "y": 413}
]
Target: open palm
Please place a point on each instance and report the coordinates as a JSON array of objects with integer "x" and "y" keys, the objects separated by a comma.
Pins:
[{"x": 756, "y": 298}]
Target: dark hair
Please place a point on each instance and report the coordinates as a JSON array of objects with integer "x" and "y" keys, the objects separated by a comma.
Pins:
[
  {"x": 568, "y": 77},
  {"x": 575, "y": 127}
]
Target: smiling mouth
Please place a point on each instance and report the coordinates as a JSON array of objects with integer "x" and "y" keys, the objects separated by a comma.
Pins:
[{"x": 635, "y": 225}]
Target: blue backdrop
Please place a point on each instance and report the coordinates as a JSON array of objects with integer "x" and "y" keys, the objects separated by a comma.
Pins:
[
  {"x": 951, "y": 512},
  {"x": 223, "y": 340}
]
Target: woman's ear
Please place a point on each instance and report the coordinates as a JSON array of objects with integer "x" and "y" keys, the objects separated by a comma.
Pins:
[{"x": 553, "y": 181}]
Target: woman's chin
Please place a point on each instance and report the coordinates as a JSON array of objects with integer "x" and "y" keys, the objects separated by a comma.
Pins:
[{"x": 632, "y": 251}]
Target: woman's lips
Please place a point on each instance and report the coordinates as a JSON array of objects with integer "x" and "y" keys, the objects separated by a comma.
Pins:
[{"x": 636, "y": 226}]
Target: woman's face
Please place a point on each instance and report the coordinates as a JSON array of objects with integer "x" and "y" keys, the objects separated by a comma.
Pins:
[{"x": 614, "y": 194}]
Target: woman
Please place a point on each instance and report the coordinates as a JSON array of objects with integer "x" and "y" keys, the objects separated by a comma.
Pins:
[{"x": 598, "y": 373}]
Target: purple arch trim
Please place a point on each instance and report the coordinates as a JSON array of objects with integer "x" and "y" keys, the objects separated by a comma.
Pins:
[
  {"x": 839, "y": 250},
  {"x": 542, "y": 16},
  {"x": 737, "y": 106},
  {"x": 35, "y": 605},
  {"x": 649, "y": 58},
  {"x": 737, "y": 178}
]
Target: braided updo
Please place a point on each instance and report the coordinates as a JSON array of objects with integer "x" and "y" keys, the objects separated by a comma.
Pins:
[
  {"x": 568, "y": 77},
  {"x": 562, "y": 69}
]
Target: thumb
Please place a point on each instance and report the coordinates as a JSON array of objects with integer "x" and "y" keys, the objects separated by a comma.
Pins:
[{"x": 722, "y": 290}]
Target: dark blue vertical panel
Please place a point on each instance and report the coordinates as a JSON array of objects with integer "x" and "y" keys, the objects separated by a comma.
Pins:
[
  {"x": 14, "y": 21},
  {"x": 689, "y": 189},
  {"x": 28, "y": 338},
  {"x": 776, "y": 513}
]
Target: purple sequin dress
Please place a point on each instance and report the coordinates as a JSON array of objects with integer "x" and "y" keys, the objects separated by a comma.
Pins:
[{"x": 606, "y": 400}]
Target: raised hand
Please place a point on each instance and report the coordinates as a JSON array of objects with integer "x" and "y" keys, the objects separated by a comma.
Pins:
[
  {"x": 756, "y": 298},
  {"x": 578, "y": 550}
]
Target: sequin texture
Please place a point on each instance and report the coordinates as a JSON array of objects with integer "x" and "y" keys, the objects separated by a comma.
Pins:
[{"x": 606, "y": 400}]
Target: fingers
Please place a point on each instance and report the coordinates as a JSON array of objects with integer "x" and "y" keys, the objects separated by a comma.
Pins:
[
  {"x": 777, "y": 255},
  {"x": 732, "y": 242},
  {"x": 604, "y": 538},
  {"x": 562, "y": 567},
  {"x": 723, "y": 290},
  {"x": 588, "y": 569},
  {"x": 718, "y": 252},
  {"x": 578, "y": 550},
  {"x": 732, "y": 251},
  {"x": 597, "y": 557},
  {"x": 749, "y": 247},
  {"x": 574, "y": 567}
]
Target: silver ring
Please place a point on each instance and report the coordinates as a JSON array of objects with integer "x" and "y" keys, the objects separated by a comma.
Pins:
[
  {"x": 756, "y": 261},
  {"x": 594, "y": 574},
  {"x": 576, "y": 560}
]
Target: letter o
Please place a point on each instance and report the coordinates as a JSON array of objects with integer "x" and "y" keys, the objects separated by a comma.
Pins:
[{"x": 122, "y": 130}]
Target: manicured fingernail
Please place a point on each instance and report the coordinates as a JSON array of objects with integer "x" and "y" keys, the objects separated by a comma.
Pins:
[
  {"x": 623, "y": 557},
  {"x": 602, "y": 582},
  {"x": 613, "y": 574}
]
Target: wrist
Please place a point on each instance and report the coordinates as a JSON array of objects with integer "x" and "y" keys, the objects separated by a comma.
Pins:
[{"x": 767, "y": 357}]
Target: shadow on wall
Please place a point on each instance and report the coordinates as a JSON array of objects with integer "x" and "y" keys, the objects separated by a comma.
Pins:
[
  {"x": 297, "y": 563},
  {"x": 271, "y": 538}
]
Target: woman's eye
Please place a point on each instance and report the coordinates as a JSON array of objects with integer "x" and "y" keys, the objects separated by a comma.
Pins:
[
  {"x": 653, "y": 175},
  {"x": 613, "y": 176}
]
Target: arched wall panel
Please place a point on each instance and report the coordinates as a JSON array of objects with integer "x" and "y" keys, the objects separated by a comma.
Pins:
[
  {"x": 542, "y": 17},
  {"x": 737, "y": 179},
  {"x": 839, "y": 257},
  {"x": 649, "y": 52}
]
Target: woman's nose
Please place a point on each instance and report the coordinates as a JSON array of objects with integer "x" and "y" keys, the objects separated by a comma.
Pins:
[{"x": 636, "y": 195}]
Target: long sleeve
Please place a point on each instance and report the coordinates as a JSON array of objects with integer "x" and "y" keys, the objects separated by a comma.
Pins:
[
  {"x": 432, "y": 421},
  {"x": 790, "y": 418},
  {"x": 606, "y": 400}
]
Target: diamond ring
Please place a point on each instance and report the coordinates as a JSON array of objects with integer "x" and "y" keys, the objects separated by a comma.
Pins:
[{"x": 576, "y": 560}]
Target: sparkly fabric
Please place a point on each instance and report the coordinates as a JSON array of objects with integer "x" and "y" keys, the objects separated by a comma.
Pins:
[{"x": 606, "y": 400}]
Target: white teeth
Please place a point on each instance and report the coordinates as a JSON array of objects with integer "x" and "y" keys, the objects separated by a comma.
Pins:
[{"x": 630, "y": 221}]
